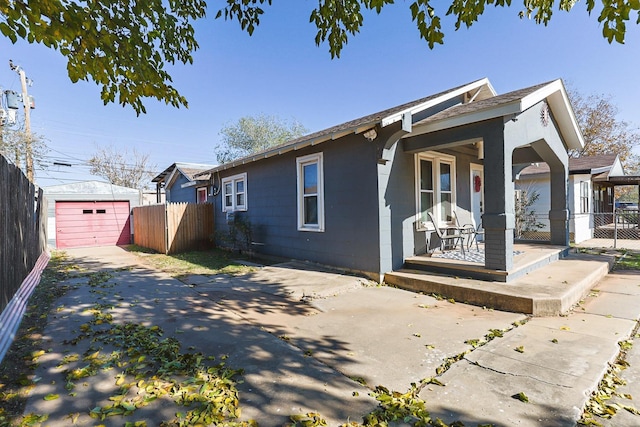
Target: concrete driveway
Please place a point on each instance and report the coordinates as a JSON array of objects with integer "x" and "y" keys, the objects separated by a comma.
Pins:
[{"x": 308, "y": 341}]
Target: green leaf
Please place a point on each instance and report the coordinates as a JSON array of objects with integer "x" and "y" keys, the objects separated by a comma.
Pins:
[
  {"x": 51, "y": 396},
  {"x": 521, "y": 397}
]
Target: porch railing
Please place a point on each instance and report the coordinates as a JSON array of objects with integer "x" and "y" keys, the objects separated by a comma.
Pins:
[
  {"x": 621, "y": 224},
  {"x": 533, "y": 228}
]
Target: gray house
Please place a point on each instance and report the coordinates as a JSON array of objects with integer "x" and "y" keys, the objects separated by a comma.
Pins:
[
  {"x": 180, "y": 183},
  {"x": 351, "y": 196}
]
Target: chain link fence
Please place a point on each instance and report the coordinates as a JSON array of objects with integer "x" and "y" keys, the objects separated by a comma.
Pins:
[
  {"x": 621, "y": 224},
  {"x": 533, "y": 228}
]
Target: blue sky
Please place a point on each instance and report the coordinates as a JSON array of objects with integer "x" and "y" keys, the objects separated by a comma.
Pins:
[{"x": 280, "y": 71}]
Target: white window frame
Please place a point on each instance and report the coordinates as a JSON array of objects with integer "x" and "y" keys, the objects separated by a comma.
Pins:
[
  {"x": 233, "y": 180},
  {"x": 301, "y": 162},
  {"x": 436, "y": 160},
  {"x": 583, "y": 198}
]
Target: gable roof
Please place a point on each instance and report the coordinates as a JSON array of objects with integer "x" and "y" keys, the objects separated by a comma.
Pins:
[
  {"x": 479, "y": 89},
  {"x": 593, "y": 165},
  {"x": 89, "y": 187},
  {"x": 189, "y": 170},
  {"x": 511, "y": 103}
]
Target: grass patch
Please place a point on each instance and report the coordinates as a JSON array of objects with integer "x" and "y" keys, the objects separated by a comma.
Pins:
[
  {"x": 628, "y": 261},
  {"x": 212, "y": 261}
]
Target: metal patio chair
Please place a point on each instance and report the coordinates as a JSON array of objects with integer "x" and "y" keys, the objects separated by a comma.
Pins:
[
  {"x": 448, "y": 238},
  {"x": 471, "y": 231}
]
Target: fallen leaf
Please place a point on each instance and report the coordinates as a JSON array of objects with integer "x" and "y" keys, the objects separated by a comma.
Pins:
[{"x": 521, "y": 397}]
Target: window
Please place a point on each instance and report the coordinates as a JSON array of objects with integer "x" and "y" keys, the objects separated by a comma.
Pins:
[
  {"x": 201, "y": 195},
  {"x": 310, "y": 193},
  {"x": 234, "y": 193},
  {"x": 427, "y": 189},
  {"x": 584, "y": 197},
  {"x": 436, "y": 186},
  {"x": 597, "y": 201}
]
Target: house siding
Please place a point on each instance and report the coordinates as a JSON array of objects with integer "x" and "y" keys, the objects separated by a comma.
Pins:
[
  {"x": 397, "y": 209},
  {"x": 176, "y": 194},
  {"x": 350, "y": 239},
  {"x": 398, "y": 205},
  {"x": 579, "y": 223}
]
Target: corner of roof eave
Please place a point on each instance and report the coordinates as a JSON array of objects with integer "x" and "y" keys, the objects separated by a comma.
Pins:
[
  {"x": 556, "y": 95},
  {"x": 389, "y": 120}
]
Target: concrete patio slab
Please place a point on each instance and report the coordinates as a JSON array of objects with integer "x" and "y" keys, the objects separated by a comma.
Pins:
[
  {"x": 305, "y": 346},
  {"x": 479, "y": 396},
  {"x": 531, "y": 352},
  {"x": 556, "y": 377},
  {"x": 623, "y": 306},
  {"x": 631, "y": 389},
  {"x": 622, "y": 282},
  {"x": 279, "y": 379}
]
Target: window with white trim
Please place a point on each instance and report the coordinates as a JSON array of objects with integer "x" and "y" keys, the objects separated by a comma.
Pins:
[
  {"x": 234, "y": 193},
  {"x": 584, "y": 197},
  {"x": 435, "y": 182},
  {"x": 310, "y": 182}
]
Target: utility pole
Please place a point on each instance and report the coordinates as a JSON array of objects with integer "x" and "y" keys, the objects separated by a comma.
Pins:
[{"x": 27, "y": 118}]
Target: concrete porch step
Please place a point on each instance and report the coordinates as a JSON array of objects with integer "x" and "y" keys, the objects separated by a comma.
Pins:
[
  {"x": 548, "y": 291},
  {"x": 527, "y": 258}
]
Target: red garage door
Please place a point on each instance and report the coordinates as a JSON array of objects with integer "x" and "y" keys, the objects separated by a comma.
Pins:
[{"x": 92, "y": 224}]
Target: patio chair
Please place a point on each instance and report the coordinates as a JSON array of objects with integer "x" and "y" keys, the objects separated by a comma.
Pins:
[
  {"x": 471, "y": 231},
  {"x": 448, "y": 239},
  {"x": 478, "y": 231},
  {"x": 467, "y": 230}
]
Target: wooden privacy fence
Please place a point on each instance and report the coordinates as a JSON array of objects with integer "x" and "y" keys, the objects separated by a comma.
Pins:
[
  {"x": 173, "y": 227},
  {"x": 23, "y": 231}
]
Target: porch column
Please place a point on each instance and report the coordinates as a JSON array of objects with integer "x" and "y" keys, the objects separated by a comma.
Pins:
[
  {"x": 559, "y": 214},
  {"x": 499, "y": 217},
  {"x": 554, "y": 153}
]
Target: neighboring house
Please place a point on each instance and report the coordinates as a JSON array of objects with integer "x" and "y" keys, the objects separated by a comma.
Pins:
[
  {"x": 588, "y": 193},
  {"x": 90, "y": 213},
  {"x": 351, "y": 196},
  {"x": 150, "y": 197},
  {"x": 181, "y": 185}
]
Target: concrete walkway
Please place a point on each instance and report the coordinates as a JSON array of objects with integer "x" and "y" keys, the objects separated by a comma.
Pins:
[{"x": 318, "y": 341}]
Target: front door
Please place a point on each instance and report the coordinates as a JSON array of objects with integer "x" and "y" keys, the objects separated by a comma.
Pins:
[{"x": 477, "y": 194}]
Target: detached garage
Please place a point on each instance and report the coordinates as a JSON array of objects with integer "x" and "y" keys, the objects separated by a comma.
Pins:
[{"x": 90, "y": 213}]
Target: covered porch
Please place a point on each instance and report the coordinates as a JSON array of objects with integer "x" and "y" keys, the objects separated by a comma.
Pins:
[{"x": 494, "y": 139}]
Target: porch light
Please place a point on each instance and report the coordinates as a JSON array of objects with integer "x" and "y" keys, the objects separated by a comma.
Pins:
[
  {"x": 480, "y": 146},
  {"x": 371, "y": 134}
]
